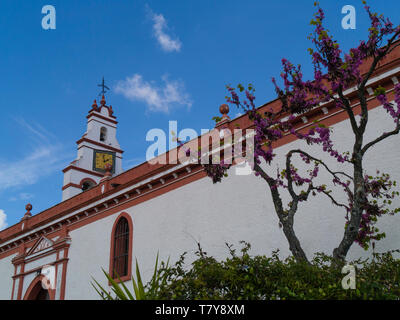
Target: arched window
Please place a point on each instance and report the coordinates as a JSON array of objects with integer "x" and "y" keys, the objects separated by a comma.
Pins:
[
  {"x": 121, "y": 248},
  {"x": 103, "y": 134},
  {"x": 87, "y": 184}
]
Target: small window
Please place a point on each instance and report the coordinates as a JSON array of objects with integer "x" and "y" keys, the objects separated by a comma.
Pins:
[
  {"x": 121, "y": 249},
  {"x": 103, "y": 134}
]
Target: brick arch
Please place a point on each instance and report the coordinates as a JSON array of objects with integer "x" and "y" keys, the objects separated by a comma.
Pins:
[
  {"x": 112, "y": 246},
  {"x": 35, "y": 287}
]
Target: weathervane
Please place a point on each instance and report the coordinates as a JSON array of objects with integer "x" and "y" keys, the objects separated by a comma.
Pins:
[{"x": 103, "y": 87}]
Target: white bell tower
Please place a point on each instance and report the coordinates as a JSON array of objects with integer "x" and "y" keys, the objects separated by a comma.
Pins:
[{"x": 97, "y": 148}]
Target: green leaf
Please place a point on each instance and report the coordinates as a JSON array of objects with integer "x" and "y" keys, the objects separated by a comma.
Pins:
[
  {"x": 380, "y": 90},
  {"x": 115, "y": 286},
  {"x": 103, "y": 291}
]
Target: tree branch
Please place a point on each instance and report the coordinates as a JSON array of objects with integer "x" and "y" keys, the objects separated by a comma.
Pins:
[
  {"x": 380, "y": 138},
  {"x": 333, "y": 200},
  {"x": 349, "y": 110}
]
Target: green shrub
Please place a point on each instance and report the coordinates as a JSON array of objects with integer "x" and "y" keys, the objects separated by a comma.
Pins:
[{"x": 245, "y": 277}]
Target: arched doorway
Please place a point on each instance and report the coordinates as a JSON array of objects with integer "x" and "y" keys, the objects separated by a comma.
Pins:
[{"x": 37, "y": 292}]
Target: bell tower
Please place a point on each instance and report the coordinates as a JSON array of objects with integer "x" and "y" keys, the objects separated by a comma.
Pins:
[{"x": 97, "y": 149}]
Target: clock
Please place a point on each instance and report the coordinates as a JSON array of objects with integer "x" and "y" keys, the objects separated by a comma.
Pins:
[{"x": 101, "y": 158}]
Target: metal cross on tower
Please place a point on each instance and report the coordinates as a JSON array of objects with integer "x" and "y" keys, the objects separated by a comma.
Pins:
[{"x": 103, "y": 87}]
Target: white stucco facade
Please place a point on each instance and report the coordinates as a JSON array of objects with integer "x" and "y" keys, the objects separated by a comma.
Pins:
[
  {"x": 238, "y": 209},
  {"x": 6, "y": 282}
]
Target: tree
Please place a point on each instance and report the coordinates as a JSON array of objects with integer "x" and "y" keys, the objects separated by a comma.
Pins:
[{"x": 334, "y": 72}]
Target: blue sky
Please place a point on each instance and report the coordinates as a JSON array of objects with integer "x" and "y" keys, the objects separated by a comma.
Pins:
[{"x": 163, "y": 60}]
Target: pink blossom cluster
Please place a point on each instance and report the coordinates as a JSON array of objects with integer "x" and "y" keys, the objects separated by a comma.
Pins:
[{"x": 380, "y": 195}]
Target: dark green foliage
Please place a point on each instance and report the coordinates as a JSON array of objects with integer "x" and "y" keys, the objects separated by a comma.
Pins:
[
  {"x": 245, "y": 277},
  {"x": 216, "y": 119}
]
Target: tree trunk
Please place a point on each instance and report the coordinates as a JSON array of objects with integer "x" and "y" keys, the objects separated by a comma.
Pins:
[
  {"x": 285, "y": 218},
  {"x": 294, "y": 243},
  {"x": 351, "y": 232}
]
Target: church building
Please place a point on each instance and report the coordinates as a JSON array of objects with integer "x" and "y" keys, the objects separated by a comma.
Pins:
[{"x": 109, "y": 217}]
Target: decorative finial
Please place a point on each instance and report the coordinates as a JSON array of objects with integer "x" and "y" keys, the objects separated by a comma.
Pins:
[
  {"x": 94, "y": 105},
  {"x": 224, "y": 109},
  {"x": 28, "y": 209},
  {"x": 107, "y": 176},
  {"x": 108, "y": 167},
  {"x": 103, "y": 101}
]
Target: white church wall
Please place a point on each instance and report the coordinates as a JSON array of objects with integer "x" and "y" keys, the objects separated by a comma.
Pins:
[
  {"x": 328, "y": 220},
  {"x": 72, "y": 176},
  {"x": 40, "y": 262},
  {"x": 26, "y": 283},
  {"x": 67, "y": 177},
  {"x": 239, "y": 208},
  {"x": 88, "y": 254},
  {"x": 69, "y": 193},
  {"x": 58, "y": 281},
  {"x": 85, "y": 156},
  {"x": 77, "y": 176},
  {"x": 93, "y": 132},
  {"x": 6, "y": 281}
]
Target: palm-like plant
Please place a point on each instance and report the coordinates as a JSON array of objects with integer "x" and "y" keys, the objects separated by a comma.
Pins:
[{"x": 140, "y": 291}]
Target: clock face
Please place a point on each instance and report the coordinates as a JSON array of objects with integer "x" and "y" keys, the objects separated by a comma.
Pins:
[{"x": 101, "y": 158}]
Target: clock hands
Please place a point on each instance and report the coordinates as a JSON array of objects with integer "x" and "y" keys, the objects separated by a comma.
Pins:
[{"x": 102, "y": 159}]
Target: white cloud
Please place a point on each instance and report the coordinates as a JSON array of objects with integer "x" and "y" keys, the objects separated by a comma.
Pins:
[
  {"x": 44, "y": 158},
  {"x": 3, "y": 218},
  {"x": 22, "y": 196},
  {"x": 40, "y": 162},
  {"x": 25, "y": 196},
  {"x": 160, "y": 26},
  {"x": 157, "y": 98}
]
